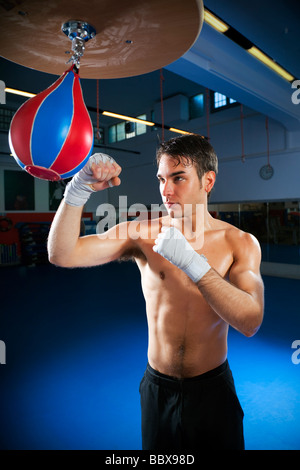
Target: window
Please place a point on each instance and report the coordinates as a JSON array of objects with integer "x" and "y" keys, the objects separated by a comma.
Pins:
[
  {"x": 6, "y": 115},
  {"x": 196, "y": 105},
  {"x": 220, "y": 101},
  {"x": 121, "y": 135},
  {"x": 140, "y": 128},
  {"x": 112, "y": 134},
  {"x": 126, "y": 130},
  {"x": 276, "y": 225}
]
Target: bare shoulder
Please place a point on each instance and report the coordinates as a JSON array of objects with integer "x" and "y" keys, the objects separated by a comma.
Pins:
[
  {"x": 243, "y": 242},
  {"x": 244, "y": 246},
  {"x": 245, "y": 272}
]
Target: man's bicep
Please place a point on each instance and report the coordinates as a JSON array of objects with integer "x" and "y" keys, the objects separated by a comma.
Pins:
[
  {"x": 248, "y": 280},
  {"x": 245, "y": 270},
  {"x": 103, "y": 248}
]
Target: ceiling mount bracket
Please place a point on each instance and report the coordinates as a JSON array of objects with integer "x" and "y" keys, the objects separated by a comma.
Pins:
[{"x": 79, "y": 32}]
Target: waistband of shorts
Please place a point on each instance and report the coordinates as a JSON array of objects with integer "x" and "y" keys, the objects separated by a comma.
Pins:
[{"x": 159, "y": 378}]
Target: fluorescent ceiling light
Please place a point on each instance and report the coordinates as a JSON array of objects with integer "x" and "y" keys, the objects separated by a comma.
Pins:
[
  {"x": 105, "y": 113},
  {"x": 172, "y": 129},
  {"x": 19, "y": 92},
  {"x": 213, "y": 21},
  {"x": 270, "y": 63},
  {"x": 239, "y": 39},
  {"x": 128, "y": 118}
]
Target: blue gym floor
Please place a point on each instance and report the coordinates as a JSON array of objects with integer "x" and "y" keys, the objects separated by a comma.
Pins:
[{"x": 76, "y": 343}]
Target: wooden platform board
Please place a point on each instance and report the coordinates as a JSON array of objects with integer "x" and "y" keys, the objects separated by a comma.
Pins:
[{"x": 133, "y": 36}]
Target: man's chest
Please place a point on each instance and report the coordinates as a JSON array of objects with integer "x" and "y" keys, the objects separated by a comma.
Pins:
[{"x": 214, "y": 248}]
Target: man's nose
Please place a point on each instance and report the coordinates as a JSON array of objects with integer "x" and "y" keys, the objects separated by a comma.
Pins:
[{"x": 167, "y": 189}]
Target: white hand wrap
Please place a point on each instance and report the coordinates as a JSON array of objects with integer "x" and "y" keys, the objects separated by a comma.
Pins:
[
  {"x": 172, "y": 245},
  {"x": 77, "y": 191}
]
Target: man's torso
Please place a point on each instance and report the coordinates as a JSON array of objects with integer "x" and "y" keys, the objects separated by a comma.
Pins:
[{"x": 186, "y": 337}]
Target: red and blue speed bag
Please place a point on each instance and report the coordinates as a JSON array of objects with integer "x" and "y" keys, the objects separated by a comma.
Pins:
[{"x": 51, "y": 135}]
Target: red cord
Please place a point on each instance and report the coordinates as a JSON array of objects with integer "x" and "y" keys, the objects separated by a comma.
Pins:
[
  {"x": 98, "y": 130},
  {"x": 207, "y": 111},
  {"x": 242, "y": 134},
  {"x": 268, "y": 140},
  {"x": 162, "y": 106}
]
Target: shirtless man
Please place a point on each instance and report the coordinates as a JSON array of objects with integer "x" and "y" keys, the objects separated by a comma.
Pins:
[{"x": 199, "y": 275}]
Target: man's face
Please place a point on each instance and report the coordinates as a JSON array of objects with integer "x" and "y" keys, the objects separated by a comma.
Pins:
[{"x": 180, "y": 187}]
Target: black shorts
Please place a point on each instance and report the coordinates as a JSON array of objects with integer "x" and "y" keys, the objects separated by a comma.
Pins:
[{"x": 192, "y": 414}]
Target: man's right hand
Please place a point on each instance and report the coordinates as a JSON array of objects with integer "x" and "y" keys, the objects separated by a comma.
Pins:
[{"x": 100, "y": 172}]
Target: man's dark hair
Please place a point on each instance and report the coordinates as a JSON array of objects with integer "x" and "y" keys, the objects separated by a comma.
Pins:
[{"x": 190, "y": 149}]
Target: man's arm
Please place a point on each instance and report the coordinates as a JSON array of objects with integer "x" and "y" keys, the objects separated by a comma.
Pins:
[
  {"x": 240, "y": 302},
  {"x": 65, "y": 247}
]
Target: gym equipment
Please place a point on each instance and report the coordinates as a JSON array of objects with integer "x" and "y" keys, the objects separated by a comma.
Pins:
[
  {"x": 133, "y": 37},
  {"x": 51, "y": 135}
]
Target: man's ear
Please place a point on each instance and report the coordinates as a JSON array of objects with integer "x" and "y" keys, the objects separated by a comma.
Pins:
[{"x": 209, "y": 181}]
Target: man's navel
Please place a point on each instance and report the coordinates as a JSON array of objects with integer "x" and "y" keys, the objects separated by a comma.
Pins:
[{"x": 181, "y": 350}]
